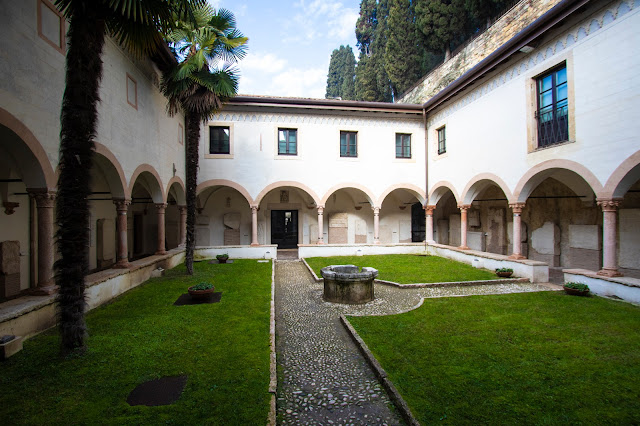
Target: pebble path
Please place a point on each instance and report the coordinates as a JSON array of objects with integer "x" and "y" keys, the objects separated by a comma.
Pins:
[{"x": 322, "y": 377}]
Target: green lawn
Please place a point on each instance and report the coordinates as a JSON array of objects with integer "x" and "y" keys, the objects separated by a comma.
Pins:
[
  {"x": 223, "y": 348},
  {"x": 408, "y": 268},
  {"x": 530, "y": 358}
]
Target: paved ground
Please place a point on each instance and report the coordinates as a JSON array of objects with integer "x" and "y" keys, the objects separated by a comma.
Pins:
[{"x": 322, "y": 378}]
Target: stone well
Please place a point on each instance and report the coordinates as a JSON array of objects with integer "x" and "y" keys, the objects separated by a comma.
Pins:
[{"x": 347, "y": 284}]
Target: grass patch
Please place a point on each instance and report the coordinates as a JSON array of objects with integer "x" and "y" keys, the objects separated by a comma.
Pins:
[
  {"x": 408, "y": 268},
  {"x": 530, "y": 358},
  {"x": 140, "y": 336}
]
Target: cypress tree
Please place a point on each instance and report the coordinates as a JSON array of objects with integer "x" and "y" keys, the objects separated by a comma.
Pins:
[
  {"x": 401, "y": 57},
  {"x": 442, "y": 22},
  {"x": 340, "y": 80}
]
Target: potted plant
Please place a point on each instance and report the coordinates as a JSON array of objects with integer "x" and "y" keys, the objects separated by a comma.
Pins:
[
  {"x": 576, "y": 289},
  {"x": 222, "y": 258},
  {"x": 202, "y": 290},
  {"x": 504, "y": 272}
]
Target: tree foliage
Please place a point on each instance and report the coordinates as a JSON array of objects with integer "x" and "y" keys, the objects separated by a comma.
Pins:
[
  {"x": 341, "y": 77},
  {"x": 401, "y": 56}
]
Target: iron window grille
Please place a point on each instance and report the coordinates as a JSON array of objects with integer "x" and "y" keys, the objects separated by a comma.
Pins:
[
  {"x": 218, "y": 140},
  {"x": 442, "y": 140},
  {"x": 287, "y": 142},
  {"x": 553, "y": 107},
  {"x": 348, "y": 144},
  {"x": 403, "y": 145}
]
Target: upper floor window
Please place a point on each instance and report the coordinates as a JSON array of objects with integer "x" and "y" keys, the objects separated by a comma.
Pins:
[
  {"x": 287, "y": 142},
  {"x": 51, "y": 25},
  {"x": 442, "y": 140},
  {"x": 348, "y": 144},
  {"x": 553, "y": 107},
  {"x": 219, "y": 140},
  {"x": 403, "y": 145}
]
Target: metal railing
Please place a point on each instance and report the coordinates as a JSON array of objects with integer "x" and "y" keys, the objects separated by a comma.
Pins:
[{"x": 553, "y": 126}]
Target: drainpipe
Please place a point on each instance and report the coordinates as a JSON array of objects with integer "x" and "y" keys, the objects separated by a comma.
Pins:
[{"x": 426, "y": 167}]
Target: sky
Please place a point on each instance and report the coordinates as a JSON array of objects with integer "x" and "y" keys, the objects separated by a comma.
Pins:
[{"x": 290, "y": 43}]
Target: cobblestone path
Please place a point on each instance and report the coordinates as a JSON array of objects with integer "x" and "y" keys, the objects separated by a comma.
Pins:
[{"x": 322, "y": 378}]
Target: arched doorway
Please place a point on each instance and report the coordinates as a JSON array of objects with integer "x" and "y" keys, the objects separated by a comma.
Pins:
[
  {"x": 350, "y": 213},
  {"x": 446, "y": 216},
  {"x": 146, "y": 215},
  {"x": 223, "y": 216},
  {"x": 402, "y": 218}
]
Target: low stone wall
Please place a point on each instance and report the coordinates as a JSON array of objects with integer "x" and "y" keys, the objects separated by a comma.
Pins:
[
  {"x": 535, "y": 271},
  {"x": 622, "y": 287},
  {"x": 30, "y": 315},
  {"x": 326, "y": 250},
  {"x": 238, "y": 252}
]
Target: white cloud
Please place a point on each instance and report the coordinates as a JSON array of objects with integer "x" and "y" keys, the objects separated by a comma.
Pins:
[
  {"x": 264, "y": 62},
  {"x": 318, "y": 18},
  {"x": 294, "y": 82}
]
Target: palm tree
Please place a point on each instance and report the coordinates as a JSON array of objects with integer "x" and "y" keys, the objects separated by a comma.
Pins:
[
  {"x": 135, "y": 24},
  {"x": 204, "y": 78}
]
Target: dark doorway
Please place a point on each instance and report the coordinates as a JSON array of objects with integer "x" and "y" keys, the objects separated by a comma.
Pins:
[
  {"x": 418, "y": 223},
  {"x": 138, "y": 237},
  {"x": 284, "y": 228}
]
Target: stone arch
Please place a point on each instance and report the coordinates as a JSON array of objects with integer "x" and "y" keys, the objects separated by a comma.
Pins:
[
  {"x": 479, "y": 183},
  {"x": 622, "y": 178},
  {"x": 418, "y": 192},
  {"x": 112, "y": 171},
  {"x": 439, "y": 189},
  {"x": 372, "y": 199},
  {"x": 178, "y": 187},
  {"x": 224, "y": 182},
  {"x": 293, "y": 184},
  {"x": 28, "y": 154},
  {"x": 563, "y": 168},
  {"x": 151, "y": 180}
]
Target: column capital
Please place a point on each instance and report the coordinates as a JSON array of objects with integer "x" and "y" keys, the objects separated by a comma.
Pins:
[
  {"x": 182, "y": 209},
  {"x": 517, "y": 207},
  {"x": 320, "y": 209},
  {"x": 609, "y": 205},
  {"x": 376, "y": 210},
  {"x": 464, "y": 207},
  {"x": 45, "y": 198},
  {"x": 254, "y": 209},
  {"x": 160, "y": 206},
  {"x": 122, "y": 204},
  {"x": 429, "y": 209}
]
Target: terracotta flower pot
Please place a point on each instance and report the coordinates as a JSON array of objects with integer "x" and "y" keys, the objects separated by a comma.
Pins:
[
  {"x": 575, "y": 291},
  {"x": 201, "y": 294}
]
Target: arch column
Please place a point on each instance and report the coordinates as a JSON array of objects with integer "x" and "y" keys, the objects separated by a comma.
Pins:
[
  {"x": 183, "y": 225},
  {"x": 161, "y": 210},
  {"x": 254, "y": 226},
  {"x": 45, "y": 201},
  {"x": 428, "y": 212},
  {"x": 122, "y": 207},
  {"x": 376, "y": 225},
  {"x": 517, "y": 227},
  {"x": 609, "y": 241},
  {"x": 320, "y": 225},
  {"x": 463, "y": 226}
]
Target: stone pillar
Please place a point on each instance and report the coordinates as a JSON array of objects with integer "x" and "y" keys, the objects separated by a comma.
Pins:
[
  {"x": 428, "y": 211},
  {"x": 122, "y": 257},
  {"x": 161, "y": 209},
  {"x": 609, "y": 243},
  {"x": 463, "y": 226},
  {"x": 183, "y": 225},
  {"x": 517, "y": 226},
  {"x": 45, "y": 201},
  {"x": 320, "y": 225},
  {"x": 376, "y": 225},
  {"x": 254, "y": 226}
]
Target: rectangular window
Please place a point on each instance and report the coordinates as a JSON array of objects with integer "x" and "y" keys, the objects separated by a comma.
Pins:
[
  {"x": 553, "y": 107},
  {"x": 348, "y": 144},
  {"x": 51, "y": 26},
  {"x": 403, "y": 145},
  {"x": 218, "y": 140},
  {"x": 287, "y": 142},
  {"x": 132, "y": 91},
  {"x": 442, "y": 140}
]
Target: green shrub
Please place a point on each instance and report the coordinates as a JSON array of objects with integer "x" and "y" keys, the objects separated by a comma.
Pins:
[
  {"x": 504, "y": 270},
  {"x": 202, "y": 286},
  {"x": 577, "y": 286}
]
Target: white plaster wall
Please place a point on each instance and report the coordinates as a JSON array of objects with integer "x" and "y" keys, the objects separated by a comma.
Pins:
[
  {"x": 487, "y": 127},
  {"x": 318, "y": 165}
]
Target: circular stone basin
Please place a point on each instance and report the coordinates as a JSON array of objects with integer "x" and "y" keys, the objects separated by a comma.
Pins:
[{"x": 347, "y": 284}]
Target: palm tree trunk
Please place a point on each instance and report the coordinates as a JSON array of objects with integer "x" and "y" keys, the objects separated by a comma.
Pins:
[
  {"x": 78, "y": 129},
  {"x": 191, "y": 165}
]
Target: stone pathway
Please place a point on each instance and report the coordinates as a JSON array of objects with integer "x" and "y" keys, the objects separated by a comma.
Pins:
[{"x": 322, "y": 377}]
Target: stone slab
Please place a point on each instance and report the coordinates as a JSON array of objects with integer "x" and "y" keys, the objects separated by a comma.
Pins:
[{"x": 9, "y": 257}]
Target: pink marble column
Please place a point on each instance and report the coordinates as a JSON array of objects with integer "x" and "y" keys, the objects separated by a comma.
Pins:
[
  {"x": 463, "y": 226},
  {"x": 609, "y": 255},
  {"x": 161, "y": 210},
  {"x": 254, "y": 226},
  {"x": 376, "y": 225},
  {"x": 183, "y": 225},
  {"x": 122, "y": 207},
  {"x": 45, "y": 201},
  {"x": 428, "y": 211},
  {"x": 517, "y": 226},
  {"x": 320, "y": 225}
]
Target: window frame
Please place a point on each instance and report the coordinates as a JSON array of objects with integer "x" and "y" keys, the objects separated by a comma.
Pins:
[
  {"x": 402, "y": 155},
  {"x": 287, "y": 142},
  {"x": 442, "y": 142},
  {"x": 220, "y": 152},
  {"x": 347, "y": 154},
  {"x": 133, "y": 84},
  {"x": 558, "y": 136},
  {"x": 61, "y": 45}
]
